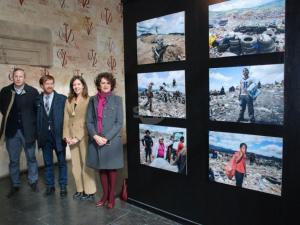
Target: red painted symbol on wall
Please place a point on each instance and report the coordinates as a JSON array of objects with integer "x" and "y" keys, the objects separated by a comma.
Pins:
[
  {"x": 62, "y": 3},
  {"x": 10, "y": 74},
  {"x": 44, "y": 71},
  {"x": 66, "y": 33},
  {"x": 89, "y": 26},
  {"x": 84, "y": 3},
  {"x": 62, "y": 55},
  {"x": 21, "y": 2},
  {"x": 76, "y": 72},
  {"x": 110, "y": 45},
  {"x": 106, "y": 16},
  {"x": 120, "y": 9},
  {"x": 111, "y": 62},
  {"x": 92, "y": 56}
]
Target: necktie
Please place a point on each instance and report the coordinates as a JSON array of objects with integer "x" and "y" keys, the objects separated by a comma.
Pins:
[{"x": 47, "y": 104}]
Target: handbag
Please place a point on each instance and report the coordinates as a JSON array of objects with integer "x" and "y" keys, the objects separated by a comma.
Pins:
[
  {"x": 124, "y": 191},
  {"x": 230, "y": 167}
]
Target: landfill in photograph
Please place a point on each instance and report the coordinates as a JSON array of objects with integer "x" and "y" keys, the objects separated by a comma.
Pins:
[
  {"x": 263, "y": 169},
  {"x": 268, "y": 107},
  {"x": 264, "y": 175},
  {"x": 161, "y": 39},
  {"x": 240, "y": 27}
]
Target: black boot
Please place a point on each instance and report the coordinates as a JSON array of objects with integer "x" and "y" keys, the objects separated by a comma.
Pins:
[{"x": 12, "y": 192}]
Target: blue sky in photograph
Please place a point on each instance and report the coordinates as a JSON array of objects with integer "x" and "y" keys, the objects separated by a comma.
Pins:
[
  {"x": 231, "y": 76},
  {"x": 239, "y": 4},
  {"x": 261, "y": 145},
  {"x": 162, "y": 129},
  {"x": 159, "y": 77},
  {"x": 173, "y": 23}
]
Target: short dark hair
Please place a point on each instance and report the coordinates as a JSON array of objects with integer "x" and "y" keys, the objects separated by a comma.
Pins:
[
  {"x": 107, "y": 76},
  {"x": 243, "y": 144},
  {"x": 44, "y": 78},
  {"x": 18, "y": 69},
  {"x": 147, "y": 131},
  {"x": 181, "y": 138}
]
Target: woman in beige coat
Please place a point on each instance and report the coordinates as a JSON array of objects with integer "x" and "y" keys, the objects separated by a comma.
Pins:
[{"x": 76, "y": 136}]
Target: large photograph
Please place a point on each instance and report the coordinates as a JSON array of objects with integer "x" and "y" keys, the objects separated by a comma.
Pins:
[
  {"x": 247, "y": 94},
  {"x": 244, "y": 27},
  {"x": 163, "y": 147},
  {"x": 162, "y": 94},
  {"x": 247, "y": 161},
  {"x": 161, "y": 39}
]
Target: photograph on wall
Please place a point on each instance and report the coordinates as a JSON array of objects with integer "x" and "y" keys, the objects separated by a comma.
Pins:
[
  {"x": 248, "y": 161},
  {"x": 162, "y": 94},
  {"x": 243, "y": 27},
  {"x": 247, "y": 94},
  {"x": 163, "y": 147},
  {"x": 161, "y": 39}
]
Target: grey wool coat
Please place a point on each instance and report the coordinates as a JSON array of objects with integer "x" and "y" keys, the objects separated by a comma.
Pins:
[{"x": 107, "y": 156}]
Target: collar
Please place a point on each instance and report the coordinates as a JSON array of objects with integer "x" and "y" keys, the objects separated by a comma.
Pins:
[
  {"x": 50, "y": 95},
  {"x": 19, "y": 90}
]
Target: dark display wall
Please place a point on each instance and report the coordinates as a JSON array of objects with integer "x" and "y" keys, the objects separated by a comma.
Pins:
[{"x": 192, "y": 198}]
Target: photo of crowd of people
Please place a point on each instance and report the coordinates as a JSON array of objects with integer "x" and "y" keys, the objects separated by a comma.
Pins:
[
  {"x": 163, "y": 147},
  {"x": 162, "y": 94},
  {"x": 246, "y": 161},
  {"x": 259, "y": 90}
]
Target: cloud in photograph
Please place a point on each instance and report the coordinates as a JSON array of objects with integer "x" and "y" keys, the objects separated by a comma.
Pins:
[
  {"x": 261, "y": 145},
  {"x": 162, "y": 129},
  {"x": 158, "y": 78},
  {"x": 239, "y": 4},
  {"x": 173, "y": 23},
  {"x": 231, "y": 76}
]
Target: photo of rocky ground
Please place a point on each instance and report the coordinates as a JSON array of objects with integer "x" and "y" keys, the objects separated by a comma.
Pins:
[
  {"x": 240, "y": 27},
  {"x": 268, "y": 107},
  {"x": 153, "y": 48},
  {"x": 170, "y": 107},
  {"x": 264, "y": 175},
  {"x": 263, "y": 165},
  {"x": 166, "y": 91},
  {"x": 161, "y": 39},
  {"x": 166, "y": 132},
  {"x": 225, "y": 88}
]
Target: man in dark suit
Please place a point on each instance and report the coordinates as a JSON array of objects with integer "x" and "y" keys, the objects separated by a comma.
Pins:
[
  {"x": 18, "y": 126},
  {"x": 50, "y": 120}
]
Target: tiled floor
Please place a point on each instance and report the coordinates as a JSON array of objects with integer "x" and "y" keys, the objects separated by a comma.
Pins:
[{"x": 29, "y": 208}]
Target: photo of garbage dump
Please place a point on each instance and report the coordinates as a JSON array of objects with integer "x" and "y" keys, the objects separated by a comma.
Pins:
[
  {"x": 242, "y": 27},
  {"x": 162, "y": 94},
  {"x": 163, "y": 147},
  {"x": 246, "y": 161},
  {"x": 247, "y": 94},
  {"x": 161, "y": 39}
]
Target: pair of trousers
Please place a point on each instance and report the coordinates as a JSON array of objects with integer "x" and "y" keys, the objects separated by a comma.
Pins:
[
  {"x": 14, "y": 147},
  {"x": 246, "y": 100},
  {"x": 239, "y": 178},
  {"x": 49, "y": 167},
  {"x": 84, "y": 176}
]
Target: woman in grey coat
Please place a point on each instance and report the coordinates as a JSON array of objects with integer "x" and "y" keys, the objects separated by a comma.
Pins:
[{"x": 104, "y": 122}]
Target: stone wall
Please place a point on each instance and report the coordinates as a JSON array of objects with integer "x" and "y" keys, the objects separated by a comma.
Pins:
[{"x": 87, "y": 38}]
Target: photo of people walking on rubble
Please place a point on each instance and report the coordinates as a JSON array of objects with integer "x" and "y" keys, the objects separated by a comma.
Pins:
[
  {"x": 161, "y": 39},
  {"x": 163, "y": 147},
  {"x": 162, "y": 94},
  {"x": 243, "y": 27},
  {"x": 247, "y": 94},
  {"x": 246, "y": 161}
]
